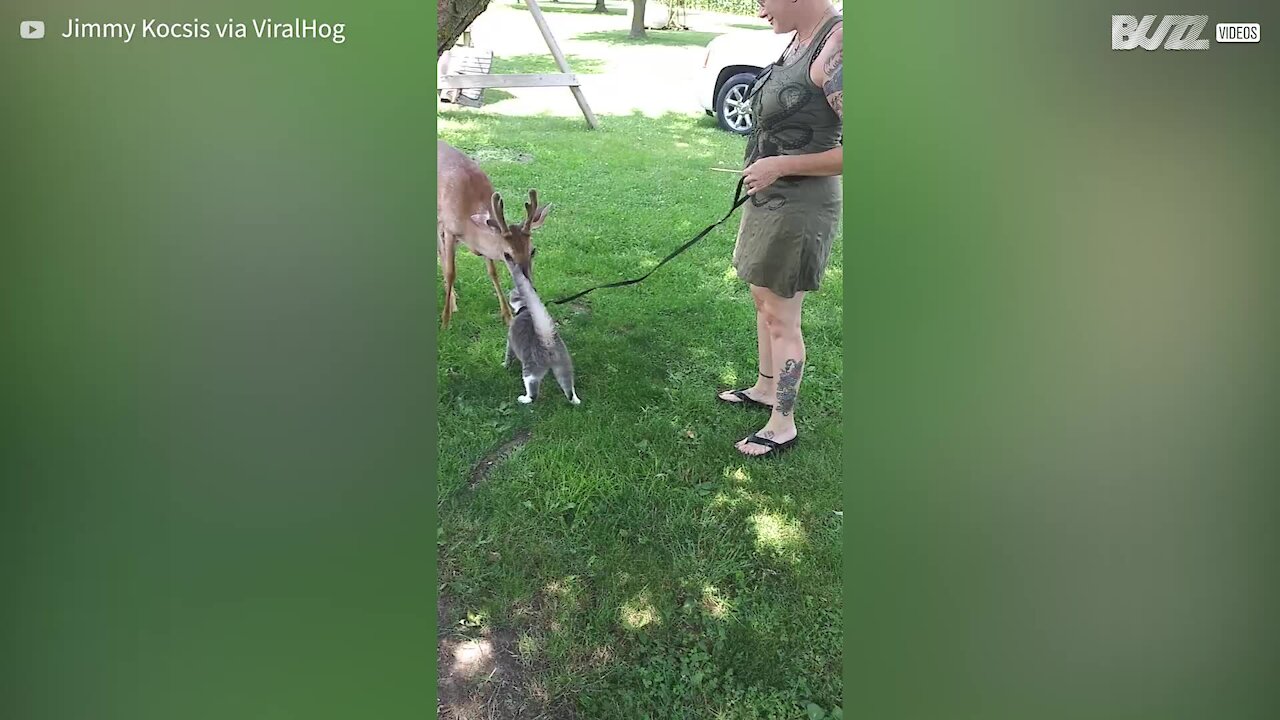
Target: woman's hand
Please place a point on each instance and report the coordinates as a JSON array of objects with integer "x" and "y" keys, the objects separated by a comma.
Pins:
[{"x": 764, "y": 172}]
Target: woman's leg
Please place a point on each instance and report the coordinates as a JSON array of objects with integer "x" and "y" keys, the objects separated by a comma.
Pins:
[
  {"x": 782, "y": 323},
  {"x": 765, "y": 387}
]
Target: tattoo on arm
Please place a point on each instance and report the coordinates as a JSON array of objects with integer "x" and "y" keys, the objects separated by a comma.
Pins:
[
  {"x": 789, "y": 385},
  {"x": 834, "y": 84}
]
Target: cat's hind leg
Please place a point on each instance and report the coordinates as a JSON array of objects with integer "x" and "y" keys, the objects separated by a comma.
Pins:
[
  {"x": 564, "y": 376},
  {"x": 532, "y": 379}
]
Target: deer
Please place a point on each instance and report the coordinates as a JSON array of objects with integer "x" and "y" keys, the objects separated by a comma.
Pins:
[{"x": 468, "y": 211}]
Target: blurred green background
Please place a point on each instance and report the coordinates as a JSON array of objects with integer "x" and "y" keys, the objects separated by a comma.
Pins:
[
  {"x": 216, "y": 387},
  {"x": 216, "y": 367},
  {"x": 1061, "y": 360}
]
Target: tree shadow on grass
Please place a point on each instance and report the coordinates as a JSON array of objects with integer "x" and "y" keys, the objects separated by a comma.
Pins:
[{"x": 494, "y": 95}]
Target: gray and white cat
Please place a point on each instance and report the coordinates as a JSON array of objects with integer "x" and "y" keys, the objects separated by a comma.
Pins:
[{"x": 533, "y": 340}]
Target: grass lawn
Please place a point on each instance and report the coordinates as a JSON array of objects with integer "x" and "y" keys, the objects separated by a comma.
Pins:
[
  {"x": 620, "y": 559},
  {"x": 685, "y": 38},
  {"x": 543, "y": 63}
]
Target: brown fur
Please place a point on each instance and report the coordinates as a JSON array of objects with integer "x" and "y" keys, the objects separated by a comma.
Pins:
[{"x": 469, "y": 212}]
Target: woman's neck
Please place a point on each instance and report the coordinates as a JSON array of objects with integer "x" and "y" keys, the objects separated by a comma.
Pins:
[{"x": 813, "y": 24}]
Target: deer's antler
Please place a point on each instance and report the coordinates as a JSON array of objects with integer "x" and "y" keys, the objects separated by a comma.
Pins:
[
  {"x": 499, "y": 219},
  {"x": 530, "y": 210}
]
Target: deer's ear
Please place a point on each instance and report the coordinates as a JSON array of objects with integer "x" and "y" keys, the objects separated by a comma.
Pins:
[
  {"x": 539, "y": 217},
  {"x": 483, "y": 221}
]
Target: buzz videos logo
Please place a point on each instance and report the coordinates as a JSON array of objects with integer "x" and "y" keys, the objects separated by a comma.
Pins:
[{"x": 1176, "y": 32}]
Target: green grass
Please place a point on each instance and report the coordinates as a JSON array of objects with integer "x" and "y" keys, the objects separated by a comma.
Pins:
[
  {"x": 647, "y": 569},
  {"x": 570, "y": 6},
  {"x": 544, "y": 63},
  {"x": 495, "y": 95},
  {"x": 653, "y": 37}
]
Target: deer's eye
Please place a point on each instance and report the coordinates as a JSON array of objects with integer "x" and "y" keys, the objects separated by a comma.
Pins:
[
  {"x": 506, "y": 255},
  {"x": 532, "y": 253}
]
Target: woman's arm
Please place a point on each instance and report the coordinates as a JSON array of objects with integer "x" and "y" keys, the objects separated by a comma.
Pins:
[
  {"x": 828, "y": 162},
  {"x": 830, "y": 75},
  {"x": 765, "y": 171}
]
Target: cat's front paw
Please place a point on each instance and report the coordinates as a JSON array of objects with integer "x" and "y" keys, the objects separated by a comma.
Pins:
[{"x": 525, "y": 399}]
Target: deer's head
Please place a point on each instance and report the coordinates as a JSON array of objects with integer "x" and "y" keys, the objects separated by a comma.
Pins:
[{"x": 517, "y": 240}]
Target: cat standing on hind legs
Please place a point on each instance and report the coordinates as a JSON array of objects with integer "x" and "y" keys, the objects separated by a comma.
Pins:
[{"x": 532, "y": 339}]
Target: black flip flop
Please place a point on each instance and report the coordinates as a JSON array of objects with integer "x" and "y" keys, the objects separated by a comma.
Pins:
[
  {"x": 744, "y": 399},
  {"x": 774, "y": 447}
]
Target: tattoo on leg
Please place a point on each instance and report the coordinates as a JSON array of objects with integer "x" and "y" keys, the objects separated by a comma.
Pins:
[{"x": 788, "y": 385}]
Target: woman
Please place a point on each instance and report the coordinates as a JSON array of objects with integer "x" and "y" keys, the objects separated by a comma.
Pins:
[{"x": 793, "y": 157}]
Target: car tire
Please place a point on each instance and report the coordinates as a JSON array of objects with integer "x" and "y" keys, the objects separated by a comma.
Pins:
[{"x": 732, "y": 112}]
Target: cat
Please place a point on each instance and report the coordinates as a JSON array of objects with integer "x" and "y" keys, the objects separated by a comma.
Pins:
[{"x": 532, "y": 339}]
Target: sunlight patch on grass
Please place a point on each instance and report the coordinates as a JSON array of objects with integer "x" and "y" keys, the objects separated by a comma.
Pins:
[
  {"x": 454, "y": 123},
  {"x": 737, "y": 474},
  {"x": 778, "y": 535},
  {"x": 729, "y": 376},
  {"x": 487, "y": 155},
  {"x": 639, "y": 613},
  {"x": 730, "y": 499},
  {"x": 470, "y": 656}
]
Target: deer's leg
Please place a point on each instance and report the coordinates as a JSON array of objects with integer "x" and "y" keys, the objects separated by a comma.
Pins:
[
  {"x": 448, "y": 258},
  {"x": 497, "y": 288},
  {"x": 442, "y": 240}
]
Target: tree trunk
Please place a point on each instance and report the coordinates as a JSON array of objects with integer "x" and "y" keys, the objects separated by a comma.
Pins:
[
  {"x": 637, "y": 19},
  {"x": 600, "y": 8},
  {"x": 453, "y": 17}
]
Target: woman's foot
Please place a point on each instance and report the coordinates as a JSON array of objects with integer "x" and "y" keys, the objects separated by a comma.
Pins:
[
  {"x": 762, "y": 393},
  {"x": 747, "y": 396},
  {"x": 768, "y": 441}
]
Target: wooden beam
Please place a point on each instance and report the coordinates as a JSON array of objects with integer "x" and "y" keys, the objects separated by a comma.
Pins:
[
  {"x": 560, "y": 61},
  {"x": 508, "y": 81}
]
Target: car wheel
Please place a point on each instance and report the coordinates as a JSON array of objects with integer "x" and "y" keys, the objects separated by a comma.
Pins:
[{"x": 732, "y": 109}]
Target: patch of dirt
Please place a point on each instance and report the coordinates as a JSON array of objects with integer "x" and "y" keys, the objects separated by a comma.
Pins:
[
  {"x": 579, "y": 308},
  {"x": 480, "y": 472},
  {"x": 482, "y": 678}
]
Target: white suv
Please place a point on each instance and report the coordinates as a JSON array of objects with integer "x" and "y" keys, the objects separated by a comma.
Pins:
[{"x": 732, "y": 62}]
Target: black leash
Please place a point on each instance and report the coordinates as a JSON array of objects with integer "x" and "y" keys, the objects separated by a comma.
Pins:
[{"x": 738, "y": 200}]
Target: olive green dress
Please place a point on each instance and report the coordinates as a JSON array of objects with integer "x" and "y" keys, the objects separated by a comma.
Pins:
[{"x": 788, "y": 228}]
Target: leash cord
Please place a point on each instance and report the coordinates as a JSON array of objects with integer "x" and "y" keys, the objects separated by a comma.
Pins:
[{"x": 738, "y": 200}]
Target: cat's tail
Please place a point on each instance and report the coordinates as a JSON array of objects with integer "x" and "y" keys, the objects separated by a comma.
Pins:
[{"x": 542, "y": 323}]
